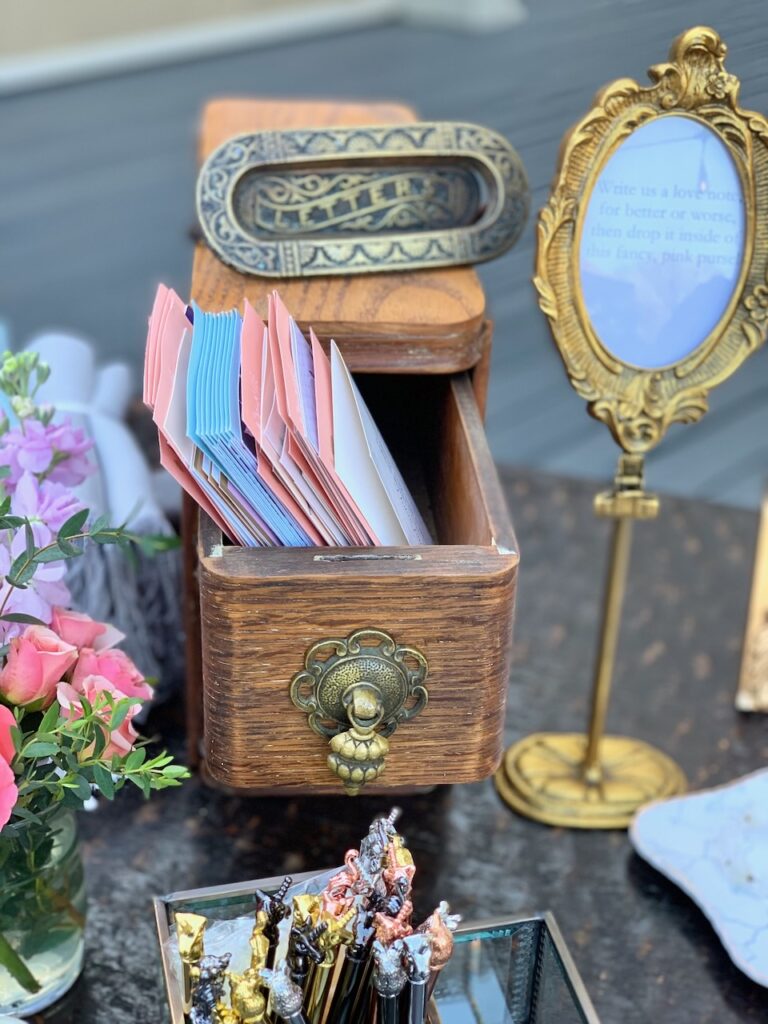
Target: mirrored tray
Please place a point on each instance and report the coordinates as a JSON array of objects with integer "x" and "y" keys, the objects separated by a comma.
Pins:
[{"x": 510, "y": 970}]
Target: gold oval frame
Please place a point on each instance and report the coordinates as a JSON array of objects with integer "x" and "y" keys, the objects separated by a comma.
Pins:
[{"x": 639, "y": 405}]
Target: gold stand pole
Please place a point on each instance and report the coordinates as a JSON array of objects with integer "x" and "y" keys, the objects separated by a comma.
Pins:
[
  {"x": 616, "y": 585},
  {"x": 595, "y": 781}
]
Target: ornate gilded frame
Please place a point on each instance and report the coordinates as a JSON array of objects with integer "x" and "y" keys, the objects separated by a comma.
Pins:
[{"x": 639, "y": 405}]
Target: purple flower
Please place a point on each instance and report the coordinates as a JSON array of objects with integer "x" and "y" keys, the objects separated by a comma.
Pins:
[
  {"x": 46, "y": 590},
  {"x": 48, "y": 503},
  {"x": 57, "y": 451}
]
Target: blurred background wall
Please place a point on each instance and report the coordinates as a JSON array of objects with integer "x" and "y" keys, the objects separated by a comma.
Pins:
[{"x": 99, "y": 105}]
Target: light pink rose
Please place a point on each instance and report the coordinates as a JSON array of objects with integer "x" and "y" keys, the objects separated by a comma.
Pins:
[
  {"x": 83, "y": 631},
  {"x": 115, "y": 666},
  {"x": 9, "y": 792},
  {"x": 69, "y": 696},
  {"x": 7, "y": 722},
  {"x": 37, "y": 660}
]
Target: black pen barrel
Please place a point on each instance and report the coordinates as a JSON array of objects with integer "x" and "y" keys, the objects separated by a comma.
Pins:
[
  {"x": 416, "y": 993},
  {"x": 388, "y": 1009}
]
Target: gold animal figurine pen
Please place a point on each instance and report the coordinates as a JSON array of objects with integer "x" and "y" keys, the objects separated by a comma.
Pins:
[
  {"x": 190, "y": 935},
  {"x": 319, "y": 988},
  {"x": 259, "y": 942},
  {"x": 247, "y": 997}
]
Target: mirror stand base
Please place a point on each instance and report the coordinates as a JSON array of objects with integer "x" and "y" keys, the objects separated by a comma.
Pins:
[{"x": 545, "y": 777}]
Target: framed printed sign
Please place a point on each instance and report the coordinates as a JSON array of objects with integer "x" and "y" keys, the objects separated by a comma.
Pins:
[{"x": 653, "y": 247}]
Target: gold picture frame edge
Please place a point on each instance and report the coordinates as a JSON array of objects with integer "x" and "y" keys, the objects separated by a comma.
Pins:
[{"x": 639, "y": 405}]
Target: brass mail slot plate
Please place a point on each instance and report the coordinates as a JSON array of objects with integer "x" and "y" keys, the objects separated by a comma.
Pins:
[{"x": 360, "y": 200}]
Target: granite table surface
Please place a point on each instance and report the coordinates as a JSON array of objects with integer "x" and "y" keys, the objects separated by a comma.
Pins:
[{"x": 645, "y": 952}]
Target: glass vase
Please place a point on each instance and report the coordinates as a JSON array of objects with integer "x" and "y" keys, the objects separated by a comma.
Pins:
[{"x": 42, "y": 912}]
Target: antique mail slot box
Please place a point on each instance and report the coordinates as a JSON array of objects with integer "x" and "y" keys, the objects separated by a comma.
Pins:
[{"x": 278, "y": 638}]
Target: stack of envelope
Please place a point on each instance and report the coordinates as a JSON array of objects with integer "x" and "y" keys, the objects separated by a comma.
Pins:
[{"x": 267, "y": 434}]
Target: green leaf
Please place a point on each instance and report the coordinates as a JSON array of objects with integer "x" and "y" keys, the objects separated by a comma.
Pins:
[
  {"x": 134, "y": 760},
  {"x": 30, "y": 620},
  {"x": 29, "y": 539},
  {"x": 50, "y": 719},
  {"x": 38, "y": 749},
  {"x": 71, "y": 799},
  {"x": 22, "y": 571},
  {"x": 156, "y": 543},
  {"x": 142, "y": 782},
  {"x": 73, "y": 525},
  {"x": 79, "y": 785},
  {"x": 55, "y": 553},
  {"x": 10, "y": 522},
  {"x": 17, "y": 737},
  {"x": 120, "y": 713},
  {"x": 103, "y": 779}
]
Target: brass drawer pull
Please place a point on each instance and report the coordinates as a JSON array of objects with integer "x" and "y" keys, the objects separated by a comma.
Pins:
[
  {"x": 357, "y": 200},
  {"x": 356, "y": 691}
]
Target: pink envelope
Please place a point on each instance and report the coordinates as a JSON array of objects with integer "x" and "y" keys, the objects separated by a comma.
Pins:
[
  {"x": 252, "y": 341},
  {"x": 171, "y": 462},
  {"x": 290, "y": 386},
  {"x": 153, "y": 325}
]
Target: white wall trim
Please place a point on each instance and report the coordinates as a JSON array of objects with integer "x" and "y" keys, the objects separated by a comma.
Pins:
[
  {"x": 169, "y": 45},
  {"x": 225, "y": 35}
]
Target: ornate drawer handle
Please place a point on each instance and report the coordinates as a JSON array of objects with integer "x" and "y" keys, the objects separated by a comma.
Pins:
[
  {"x": 358, "y": 200},
  {"x": 356, "y": 691}
]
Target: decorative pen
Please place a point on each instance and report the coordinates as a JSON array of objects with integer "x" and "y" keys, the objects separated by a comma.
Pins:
[
  {"x": 439, "y": 926},
  {"x": 416, "y": 955},
  {"x": 276, "y": 909},
  {"x": 389, "y": 979},
  {"x": 287, "y": 997},
  {"x": 190, "y": 934}
]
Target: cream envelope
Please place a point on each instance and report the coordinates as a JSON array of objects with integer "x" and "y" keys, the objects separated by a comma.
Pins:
[
  {"x": 300, "y": 453},
  {"x": 366, "y": 466},
  {"x": 324, "y": 410}
]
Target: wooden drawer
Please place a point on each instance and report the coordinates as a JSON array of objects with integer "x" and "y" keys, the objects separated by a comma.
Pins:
[{"x": 261, "y": 609}]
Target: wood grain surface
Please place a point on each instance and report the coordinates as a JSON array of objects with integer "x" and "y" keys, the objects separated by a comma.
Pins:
[
  {"x": 260, "y": 609},
  {"x": 263, "y": 607}
]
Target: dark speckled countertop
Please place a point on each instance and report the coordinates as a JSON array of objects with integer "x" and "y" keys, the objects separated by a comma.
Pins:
[{"x": 644, "y": 950}]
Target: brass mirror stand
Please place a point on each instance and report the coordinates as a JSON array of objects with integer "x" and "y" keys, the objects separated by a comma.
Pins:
[
  {"x": 620, "y": 295},
  {"x": 593, "y": 780}
]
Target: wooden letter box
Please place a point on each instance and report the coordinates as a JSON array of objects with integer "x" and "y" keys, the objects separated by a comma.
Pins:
[{"x": 419, "y": 345}]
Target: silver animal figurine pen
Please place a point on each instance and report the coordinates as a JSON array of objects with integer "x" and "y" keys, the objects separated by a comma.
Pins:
[
  {"x": 389, "y": 978},
  {"x": 287, "y": 996},
  {"x": 417, "y": 957}
]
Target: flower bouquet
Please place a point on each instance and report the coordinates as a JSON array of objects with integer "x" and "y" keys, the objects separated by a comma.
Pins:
[{"x": 68, "y": 695}]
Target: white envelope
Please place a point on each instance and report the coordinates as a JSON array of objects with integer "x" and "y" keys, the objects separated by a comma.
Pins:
[{"x": 366, "y": 467}]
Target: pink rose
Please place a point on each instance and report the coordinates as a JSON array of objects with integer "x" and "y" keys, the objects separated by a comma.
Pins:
[
  {"x": 115, "y": 666},
  {"x": 121, "y": 740},
  {"x": 7, "y": 722},
  {"x": 37, "y": 660},
  {"x": 9, "y": 792},
  {"x": 83, "y": 631}
]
